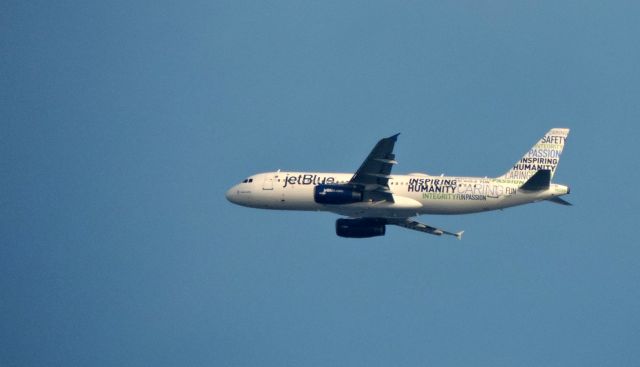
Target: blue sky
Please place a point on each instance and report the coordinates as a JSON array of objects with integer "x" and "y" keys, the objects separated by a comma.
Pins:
[{"x": 123, "y": 124}]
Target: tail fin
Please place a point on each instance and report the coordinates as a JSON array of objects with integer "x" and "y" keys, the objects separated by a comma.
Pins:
[{"x": 545, "y": 155}]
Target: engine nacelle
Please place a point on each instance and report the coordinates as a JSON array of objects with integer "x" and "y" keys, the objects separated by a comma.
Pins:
[
  {"x": 336, "y": 194},
  {"x": 360, "y": 228}
]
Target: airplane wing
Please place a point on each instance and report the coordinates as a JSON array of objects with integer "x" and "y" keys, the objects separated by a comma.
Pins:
[
  {"x": 374, "y": 173},
  {"x": 417, "y": 226}
]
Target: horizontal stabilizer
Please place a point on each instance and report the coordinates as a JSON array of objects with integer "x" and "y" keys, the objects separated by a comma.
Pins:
[
  {"x": 539, "y": 181},
  {"x": 559, "y": 200}
]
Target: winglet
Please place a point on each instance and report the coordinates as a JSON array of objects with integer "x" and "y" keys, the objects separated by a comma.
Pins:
[{"x": 459, "y": 235}]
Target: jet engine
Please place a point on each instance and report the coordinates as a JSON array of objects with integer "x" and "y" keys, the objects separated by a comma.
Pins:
[
  {"x": 336, "y": 194},
  {"x": 360, "y": 228}
]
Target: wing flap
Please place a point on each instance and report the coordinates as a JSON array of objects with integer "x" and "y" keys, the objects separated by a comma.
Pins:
[
  {"x": 421, "y": 227},
  {"x": 388, "y": 161}
]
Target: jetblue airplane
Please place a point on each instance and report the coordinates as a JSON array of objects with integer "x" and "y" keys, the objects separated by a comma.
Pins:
[{"x": 373, "y": 198}]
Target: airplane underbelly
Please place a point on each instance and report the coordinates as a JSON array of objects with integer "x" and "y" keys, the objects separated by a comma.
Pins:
[
  {"x": 401, "y": 207},
  {"x": 299, "y": 198},
  {"x": 460, "y": 206}
]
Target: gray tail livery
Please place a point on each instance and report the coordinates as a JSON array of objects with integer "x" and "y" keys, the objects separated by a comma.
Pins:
[{"x": 545, "y": 155}]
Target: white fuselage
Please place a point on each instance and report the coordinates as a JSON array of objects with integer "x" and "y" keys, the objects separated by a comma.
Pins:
[{"x": 413, "y": 194}]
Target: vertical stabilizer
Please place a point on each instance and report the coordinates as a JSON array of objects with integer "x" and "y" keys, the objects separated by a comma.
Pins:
[{"x": 545, "y": 155}]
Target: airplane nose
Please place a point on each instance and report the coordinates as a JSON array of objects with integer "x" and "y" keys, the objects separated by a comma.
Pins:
[{"x": 230, "y": 194}]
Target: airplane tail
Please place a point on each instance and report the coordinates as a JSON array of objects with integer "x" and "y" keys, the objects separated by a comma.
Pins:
[{"x": 545, "y": 155}]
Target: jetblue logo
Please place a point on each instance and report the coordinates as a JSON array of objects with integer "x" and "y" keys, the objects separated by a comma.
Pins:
[{"x": 308, "y": 180}]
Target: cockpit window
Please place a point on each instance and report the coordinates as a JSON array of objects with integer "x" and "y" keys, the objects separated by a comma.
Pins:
[
  {"x": 247, "y": 180},
  {"x": 251, "y": 180}
]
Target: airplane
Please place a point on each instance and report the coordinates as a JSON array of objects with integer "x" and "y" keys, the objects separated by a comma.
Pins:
[{"x": 373, "y": 198}]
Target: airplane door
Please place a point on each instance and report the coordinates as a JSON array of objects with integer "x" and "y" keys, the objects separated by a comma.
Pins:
[{"x": 268, "y": 183}]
